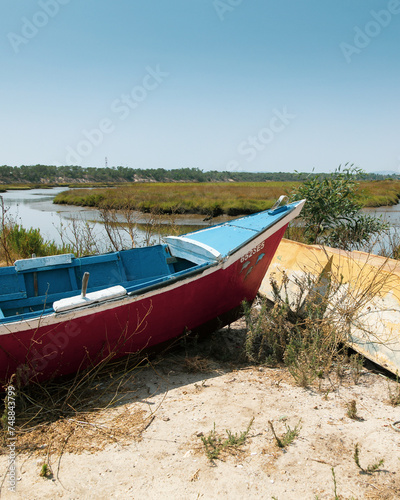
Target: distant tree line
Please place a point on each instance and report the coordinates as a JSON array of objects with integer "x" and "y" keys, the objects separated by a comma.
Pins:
[{"x": 50, "y": 174}]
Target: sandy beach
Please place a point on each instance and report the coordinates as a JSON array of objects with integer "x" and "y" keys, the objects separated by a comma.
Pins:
[{"x": 148, "y": 443}]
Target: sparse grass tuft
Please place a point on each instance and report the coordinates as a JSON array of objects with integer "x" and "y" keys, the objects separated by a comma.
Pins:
[
  {"x": 356, "y": 366},
  {"x": 196, "y": 364},
  {"x": 45, "y": 471},
  {"x": 214, "y": 444},
  {"x": 288, "y": 437},
  {"x": 352, "y": 409},
  {"x": 374, "y": 467}
]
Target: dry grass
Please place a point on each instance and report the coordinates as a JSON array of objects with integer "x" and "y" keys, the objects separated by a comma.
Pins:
[
  {"x": 87, "y": 432},
  {"x": 196, "y": 364},
  {"x": 84, "y": 413}
]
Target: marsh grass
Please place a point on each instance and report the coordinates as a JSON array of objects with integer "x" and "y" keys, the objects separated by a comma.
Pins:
[
  {"x": 378, "y": 193},
  {"x": 210, "y": 199}
]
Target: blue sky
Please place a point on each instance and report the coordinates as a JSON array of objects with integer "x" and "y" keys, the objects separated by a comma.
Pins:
[{"x": 244, "y": 85}]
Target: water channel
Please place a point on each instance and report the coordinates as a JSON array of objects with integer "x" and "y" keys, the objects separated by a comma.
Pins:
[{"x": 35, "y": 208}]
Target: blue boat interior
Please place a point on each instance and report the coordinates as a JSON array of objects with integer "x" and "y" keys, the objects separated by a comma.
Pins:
[{"x": 31, "y": 286}]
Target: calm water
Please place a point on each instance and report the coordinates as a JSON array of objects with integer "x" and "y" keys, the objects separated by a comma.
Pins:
[
  {"x": 35, "y": 208},
  {"x": 390, "y": 214}
]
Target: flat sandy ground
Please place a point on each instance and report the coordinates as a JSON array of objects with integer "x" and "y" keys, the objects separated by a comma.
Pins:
[{"x": 148, "y": 445}]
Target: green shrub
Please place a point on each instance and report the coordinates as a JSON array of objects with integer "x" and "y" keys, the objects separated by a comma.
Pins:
[
  {"x": 20, "y": 243},
  {"x": 332, "y": 214},
  {"x": 25, "y": 242}
]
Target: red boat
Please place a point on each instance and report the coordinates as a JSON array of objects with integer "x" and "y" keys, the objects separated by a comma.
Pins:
[{"x": 61, "y": 314}]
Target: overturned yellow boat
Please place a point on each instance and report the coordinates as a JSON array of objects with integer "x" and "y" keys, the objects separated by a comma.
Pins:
[{"x": 363, "y": 289}]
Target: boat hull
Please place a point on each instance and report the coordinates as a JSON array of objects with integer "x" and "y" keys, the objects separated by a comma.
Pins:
[
  {"x": 62, "y": 343},
  {"x": 367, "y": 286}
]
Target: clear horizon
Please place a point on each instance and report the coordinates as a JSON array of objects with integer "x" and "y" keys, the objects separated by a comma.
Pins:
[{"x": 214, "y": 84}]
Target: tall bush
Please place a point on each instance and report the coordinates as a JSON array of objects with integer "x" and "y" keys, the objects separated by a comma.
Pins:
[{"x": 332, "y": 214}]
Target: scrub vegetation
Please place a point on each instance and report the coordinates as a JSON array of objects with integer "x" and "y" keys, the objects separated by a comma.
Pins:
[{"x": 309, "y": 320}]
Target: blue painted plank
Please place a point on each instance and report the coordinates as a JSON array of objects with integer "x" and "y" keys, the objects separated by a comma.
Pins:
[{"x": 38, "y": 262}]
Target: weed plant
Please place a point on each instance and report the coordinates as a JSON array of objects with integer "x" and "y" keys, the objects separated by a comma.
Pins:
[
  {"x": 288, "y": 437},
  {"x": 374, "y": 467},
  {"x": 215, "y": 444},
  {"x": 45, "y": 471}
]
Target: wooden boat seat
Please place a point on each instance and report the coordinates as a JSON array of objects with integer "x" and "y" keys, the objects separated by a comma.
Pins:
[
  {"x": 94, "y": 297},
  {"x": 37, "y": 262}
]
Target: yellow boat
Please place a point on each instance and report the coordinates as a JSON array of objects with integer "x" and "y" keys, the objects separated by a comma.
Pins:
[{"x": 364, "y": 290}]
